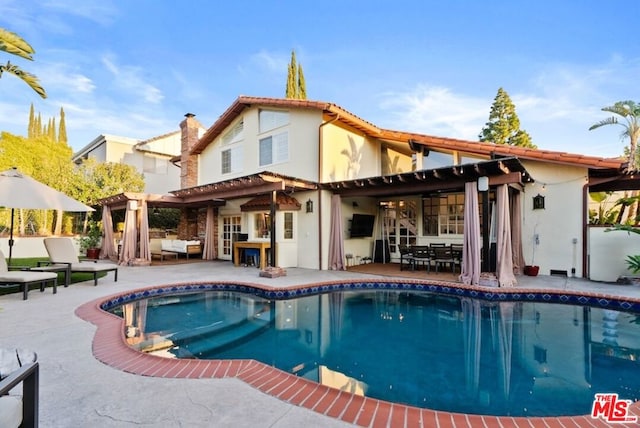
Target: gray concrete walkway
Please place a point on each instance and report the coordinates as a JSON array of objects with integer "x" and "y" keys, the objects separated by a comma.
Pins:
[{"x": 76, "y": 390}]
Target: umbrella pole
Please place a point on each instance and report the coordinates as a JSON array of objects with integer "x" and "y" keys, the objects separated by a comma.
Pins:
[{"x": 11, "y": 237}]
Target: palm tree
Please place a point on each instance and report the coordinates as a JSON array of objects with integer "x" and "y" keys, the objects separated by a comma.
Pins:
[
  {"x": 15, "y": 45},
  {"x": 630, "y": 111}
]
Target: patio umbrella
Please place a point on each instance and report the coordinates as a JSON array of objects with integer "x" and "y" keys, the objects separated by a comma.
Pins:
[{"x": 21, "y": 191}]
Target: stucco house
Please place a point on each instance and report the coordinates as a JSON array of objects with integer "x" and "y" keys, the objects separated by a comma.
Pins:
[
  {"x": 268, "y": 158},
  {"x": 151, "y": 157}
]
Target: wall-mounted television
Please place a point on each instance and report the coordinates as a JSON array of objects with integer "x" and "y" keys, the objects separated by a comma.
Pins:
[{"x": 362, "y": 225}]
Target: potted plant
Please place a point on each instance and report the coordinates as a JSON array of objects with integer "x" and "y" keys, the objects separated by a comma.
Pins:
[{"x": 90, "y": 243}]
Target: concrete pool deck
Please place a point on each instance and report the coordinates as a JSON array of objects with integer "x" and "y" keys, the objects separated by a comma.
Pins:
[{"x": 78, "y": 390}]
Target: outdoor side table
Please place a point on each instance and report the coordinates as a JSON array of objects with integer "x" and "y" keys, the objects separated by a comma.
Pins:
[{"x": 65, "y": 268}]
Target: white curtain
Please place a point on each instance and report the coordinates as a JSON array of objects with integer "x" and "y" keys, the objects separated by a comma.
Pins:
[
  {"x": 209, "y": 251},
  {"x": 470, "y": 268},
  {"x": 144, "y": 246},
  {"x": 108, "y": 245},
  {"x": 129, "y": 236},
  {"x": 504, "y": 252},
  {"x": 336, "y": 235}
]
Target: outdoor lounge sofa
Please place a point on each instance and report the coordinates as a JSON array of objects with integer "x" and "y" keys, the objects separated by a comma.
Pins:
[
  {"x": 181, "y": 246},
  {"x": 25, "y": 278},
  {"x": 62, "y": 252}
]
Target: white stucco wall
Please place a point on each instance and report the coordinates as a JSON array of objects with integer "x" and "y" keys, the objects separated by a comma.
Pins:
[
  {"x": 25, "y": 247},
  {"x": 303, "y": 149},
  {"x": 608, "y": 251},
  {"x": 560, "y": 223},
  {"x": 347, "y": 155}
]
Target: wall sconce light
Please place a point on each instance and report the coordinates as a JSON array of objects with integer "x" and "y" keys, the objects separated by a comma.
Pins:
[
  {"x": 483, "y": 184},
  {"x": 538, "y": 202},
  {"x": 355, "y": 204},
  {"x": 309, "y": 206},
  {"x": 539, "y": 354}
]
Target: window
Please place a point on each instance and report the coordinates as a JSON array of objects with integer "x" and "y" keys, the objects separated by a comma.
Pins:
[
  {"x": 231, "y": 160},
  {"x": 262, "y": 225},
  {"x": 443, "y": 215},
  {"x": 154, "y": 165},
  {"x": 430, "y": 216},
  {"x": 272, "y": 119},
  {"x": 234, "y": 134},
  {"x": 274, "y": 149},
  {"x": 288, "y": 225}
]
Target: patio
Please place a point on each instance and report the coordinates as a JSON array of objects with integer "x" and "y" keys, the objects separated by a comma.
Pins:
[{"x": 78, "y": 390}]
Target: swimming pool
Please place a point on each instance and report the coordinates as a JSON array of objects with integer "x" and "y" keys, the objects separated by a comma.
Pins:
[{"x": 523, "y": 354}]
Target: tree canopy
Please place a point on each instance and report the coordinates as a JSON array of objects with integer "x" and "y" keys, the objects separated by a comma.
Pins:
[
  {"x": 95, "y": 180},
  {"x": 14, "y": 44},
  {"x": 503, "y": 126},
  {"x": 630, "y": 112}
]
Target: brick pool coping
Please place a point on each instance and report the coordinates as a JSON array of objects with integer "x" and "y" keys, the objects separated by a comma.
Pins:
[{"x": 110, "y": 348}]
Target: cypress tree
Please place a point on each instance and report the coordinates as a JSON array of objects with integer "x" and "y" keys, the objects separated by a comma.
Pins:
[
  {"x": 302, "y": 86},
  {"x": 37, "y": 130},
  {"x": 31, "y": 126},
  {"x": 52, "y": 129},
  {"x": 291, "y": 77},
  {"x": 62, "y": 131}
]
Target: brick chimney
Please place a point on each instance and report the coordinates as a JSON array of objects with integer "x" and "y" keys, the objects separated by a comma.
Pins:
[{"x": 188, "y": 163}]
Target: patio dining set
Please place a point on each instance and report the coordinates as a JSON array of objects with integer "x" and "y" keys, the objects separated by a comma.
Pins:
[{"x": 437, "y": 255}]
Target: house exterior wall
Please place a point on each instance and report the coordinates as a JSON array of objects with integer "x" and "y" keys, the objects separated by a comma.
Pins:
[
  {"x": 109, "y": 148},
  {"x": 347, "y": 155},
  {"x": 302, "y": 131},
  {"x": 559, "y": 225}
]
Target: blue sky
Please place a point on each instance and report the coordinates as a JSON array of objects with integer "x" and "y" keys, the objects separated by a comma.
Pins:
[{"x": 134, "y": 68}]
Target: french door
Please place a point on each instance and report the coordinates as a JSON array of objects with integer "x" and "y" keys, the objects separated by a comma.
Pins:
[
  {"x": 230, "y": 226},
  {"x": 399, "y": 224}
]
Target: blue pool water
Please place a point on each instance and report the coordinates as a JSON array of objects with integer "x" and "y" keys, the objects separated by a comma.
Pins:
[{"x": 437, "y": 351}]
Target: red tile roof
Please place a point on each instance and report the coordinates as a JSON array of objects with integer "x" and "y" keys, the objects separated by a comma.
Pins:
[{"x": 371, "y": 130}]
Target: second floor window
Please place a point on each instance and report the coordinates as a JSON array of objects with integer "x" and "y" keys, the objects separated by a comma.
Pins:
[
  {"x": 274, "y": 149},
  {"x": 154, "y": 165},
  {"x": 272, "y": 119},
  {"x": 234, "y": 134},
  {"x": 231, "y": 160}
]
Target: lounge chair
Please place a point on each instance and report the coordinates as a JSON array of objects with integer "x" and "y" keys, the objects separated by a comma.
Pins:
[
  {"x": 62, "y": 252},
  {"x": 25, "y": 278},
  {"x": 18, "y": 408}
]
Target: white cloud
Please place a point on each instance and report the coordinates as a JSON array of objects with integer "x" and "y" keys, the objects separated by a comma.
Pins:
[
  {"x": 273, "y": 62},
  {"x": 130, "y": 78},
  {"x": 102, "y": 12},
  {"x": 556, "y": 105},
  {"x": 436, "y": 110},
  {"x": 61, "y": 77}
]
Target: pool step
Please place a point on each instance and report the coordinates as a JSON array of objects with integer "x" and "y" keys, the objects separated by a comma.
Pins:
[{"x": 205, "y": 342}]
